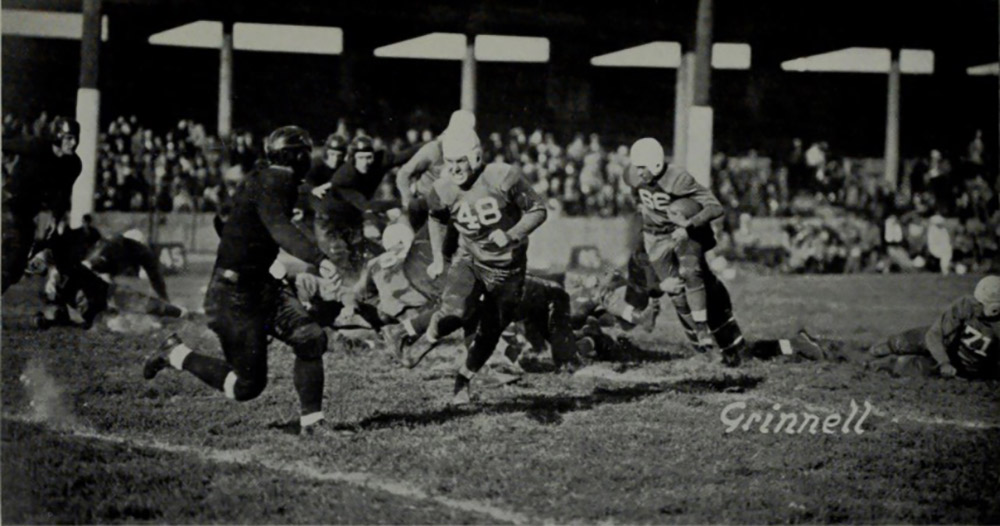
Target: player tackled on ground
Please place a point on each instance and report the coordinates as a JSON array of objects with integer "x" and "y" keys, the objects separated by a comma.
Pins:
[
  {"x": 676, "y": 240},
  {"x": 245, "y": 304},
  {"x": 962, "y": 342},
  {"x": 494, "y": 210}
]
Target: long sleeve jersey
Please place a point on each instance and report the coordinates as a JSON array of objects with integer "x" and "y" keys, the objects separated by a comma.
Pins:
[
  {"x": 963, "y": 336},
  {"x": 653, "y": 201},
  {"x": 261, "y": 221},
  {"x": 39, "y": 178}
]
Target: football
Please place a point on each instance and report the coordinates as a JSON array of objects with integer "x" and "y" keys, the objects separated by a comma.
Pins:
[{"x": 686, "y": 206}]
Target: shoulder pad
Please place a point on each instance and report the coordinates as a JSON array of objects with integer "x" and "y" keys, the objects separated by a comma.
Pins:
[
  {"x": 446, "y": 190},
  {"x": 501, "y": 176}
]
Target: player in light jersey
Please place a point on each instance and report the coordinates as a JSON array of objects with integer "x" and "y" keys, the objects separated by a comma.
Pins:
[
  {"x": 676, "y": 244},
  {"x": 494, "y": 210},
  {"x": 964, "y": 341}
]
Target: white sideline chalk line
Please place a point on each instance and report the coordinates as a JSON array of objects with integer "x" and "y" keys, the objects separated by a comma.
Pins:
[
  {"x": 895, "y": 417},
  {"x": 301, "y": 470}
]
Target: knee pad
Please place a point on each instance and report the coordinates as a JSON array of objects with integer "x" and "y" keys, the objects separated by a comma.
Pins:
[
  {"x": 309, "y": 342},
  {"x": 248, "y": 389}
]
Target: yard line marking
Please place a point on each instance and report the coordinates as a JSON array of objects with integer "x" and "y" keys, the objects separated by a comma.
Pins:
[{"x": 298, "y": 469}]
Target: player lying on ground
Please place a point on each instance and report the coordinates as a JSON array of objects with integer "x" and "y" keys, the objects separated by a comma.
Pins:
[
  {"x": 629, "y": 298},
  {"x": 494, "y": 210},
  {"x": 38, "y": 173},
  {"x": 675, "y": 241},
  {"x": 81, "y": 277},
  {"x": 396, "y": 284},
  {"x": 245, "y": 304},
  {"x": 963, "y": 341}
]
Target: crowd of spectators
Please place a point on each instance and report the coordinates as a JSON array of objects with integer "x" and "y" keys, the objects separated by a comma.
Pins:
[{"x": 835, "y": 214}]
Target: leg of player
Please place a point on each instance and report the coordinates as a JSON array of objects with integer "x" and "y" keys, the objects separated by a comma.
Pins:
[
  {"x": 903, "y": 354},
  {"x": 501, "y": 298},
  {"x": 692, "y": 268},
  {"x": 458, "y": 303},
  {"x": 721, "y": 320},
  {"x": 239, "y": 318},
  {"x": 293, "y": 325}
]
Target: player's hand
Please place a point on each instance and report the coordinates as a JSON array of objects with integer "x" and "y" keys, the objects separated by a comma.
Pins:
[
  {"x": 435, "y": 269},
  {"x": 499, "y": 238},
  {"x": 327, "y": 270},
  {"x": 678, "y": 219},
  {"x": 306, "y": 286},
  {"x": 330, "y": 290},
  {"x": 947, "y": 371},
  {"x": 671, "y": 285},
  {"x": 680, "y": 234},
  {"x": 320, "y": 190}
]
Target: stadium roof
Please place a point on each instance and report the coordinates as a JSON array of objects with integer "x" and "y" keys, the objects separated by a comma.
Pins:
[{"x": 962, "y": 34}]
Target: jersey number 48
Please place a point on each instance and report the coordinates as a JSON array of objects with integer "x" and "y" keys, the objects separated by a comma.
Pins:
[{"x": 485, "y": 211}]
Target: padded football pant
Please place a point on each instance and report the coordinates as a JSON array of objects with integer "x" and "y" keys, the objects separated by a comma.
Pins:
[
  {"x": 643, "y": 284},
  {"x": 243, "y": 314},
  {"x": 544, "y": 309},
  {"x": 485, "y": 296},
  {"x": 903, "y": 354},
  {"x": 684, "y": 260}
]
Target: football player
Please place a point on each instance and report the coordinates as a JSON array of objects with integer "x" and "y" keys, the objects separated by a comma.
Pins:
[
  {"x": 494, "y": 210},
  {"x": 544, "y": 307},
  {"x": 88, "y": 285},
  {"x": 424, "y": 169},
  {"x": 339, "y": 204},
  {"x": 40, "y": 174},
  {"x": 963, "y": 341},
  {"x": 245, "y": 304},
  {"x": 674, "y": 241}
]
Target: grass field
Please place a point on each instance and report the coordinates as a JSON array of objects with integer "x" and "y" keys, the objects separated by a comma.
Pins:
[{"x": 102, "y": 445}]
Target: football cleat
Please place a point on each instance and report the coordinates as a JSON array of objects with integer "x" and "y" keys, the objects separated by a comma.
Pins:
[
  {"x": 160, "y": 358},
  {"x": 414, "y": 353},
  {"x": 810, "y": 347},
  {"x": 462, "y": 397},
  {"x": 396, "y": 337},
  {"x": 731, "y": 358}
]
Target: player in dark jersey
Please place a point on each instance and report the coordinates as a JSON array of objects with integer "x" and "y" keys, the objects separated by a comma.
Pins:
[
  {"x": 245, "y": 304},
  {"x": 494, "y": 210},
  {"x": 340, "y": 204},
  {"x": 41, "y": 174},
  {"x": 84, "y": 265},
  {"x": 964, "y": 341},
  {"x": 334, "y": 153},
  {"x": 676, "y": 244}
]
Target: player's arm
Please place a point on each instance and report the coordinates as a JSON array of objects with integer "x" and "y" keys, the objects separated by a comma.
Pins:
[
  {"x": 279, "y": 223},
  {"x": 413, "y": 168},
  {"x": 392, "y": 159},
  {"x": 437, "y": 227},
  {"x": 531, "y": 204},
  {"x": 945, "y": 329},
  {"x": 711, "y": 208},
  {"x": 148, "y": 261}
]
